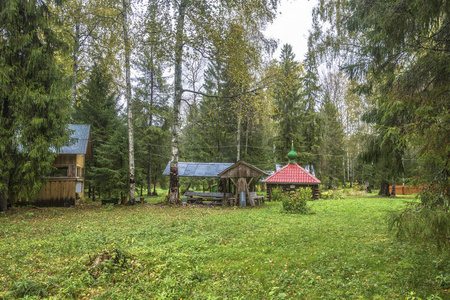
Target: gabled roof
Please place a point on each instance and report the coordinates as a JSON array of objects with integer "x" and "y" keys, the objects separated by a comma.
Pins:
[
  {"x": 254, "y": 170},
  {"x": 195, "y": 169},
  {"x": 292, "y": 173},
  {"x": 78, "y": 141}
]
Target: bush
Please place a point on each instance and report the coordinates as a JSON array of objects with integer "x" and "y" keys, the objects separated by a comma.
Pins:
[
  {"x": 295, "y": 202},
  {"x": 277, "y": 194},
  {"x": 333, "y": 195}
]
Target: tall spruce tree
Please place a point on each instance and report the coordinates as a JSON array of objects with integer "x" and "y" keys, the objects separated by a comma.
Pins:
[
  {"x": 98, "y": 107},
  {"x": 288, "y": 104},
  {"x": 311, "y": 118},
  {"x": 34, "y": 98},
  {"x": 331, "y": 169}
]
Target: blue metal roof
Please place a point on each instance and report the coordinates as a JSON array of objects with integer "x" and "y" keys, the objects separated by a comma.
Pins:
[
  {"x": 79, "y": 140},
  {"x": 194, "y": 169}
]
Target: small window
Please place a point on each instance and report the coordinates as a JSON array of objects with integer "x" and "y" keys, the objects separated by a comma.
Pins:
[
  {"x": 78, "y": 187},
  {"x": 79, "y": 172},
  {"x": 60, "y": 172}
]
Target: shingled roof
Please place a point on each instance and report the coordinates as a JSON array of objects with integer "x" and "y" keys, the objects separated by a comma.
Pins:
[
  {"x": 292, "y": 173},
  {"x": 78, "y": 141},
  {"x": 195, "y": 169}
]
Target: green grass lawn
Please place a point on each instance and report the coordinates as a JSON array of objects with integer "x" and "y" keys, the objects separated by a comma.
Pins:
[{"x": 343, "y": 251}]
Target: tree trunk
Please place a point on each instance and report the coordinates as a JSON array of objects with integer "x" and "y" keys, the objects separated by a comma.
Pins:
[
  {"x": 149, "y": 178},
  {"x": 93, "y": 193},
  {"x": 246, "y": 137},
  {"x": 76, "y": 49},
  {"x": 4, "y": 195},
  {"x": 238, "y": 138},
  {"x": 129, "y": 108},
  {"x": 384, "y": 188},
  {"x": 393, "y": 188},
  {"x": 154, "y": 189},
  {"x": 174, "y": 189},
  {"x": 150, "y": 123}
]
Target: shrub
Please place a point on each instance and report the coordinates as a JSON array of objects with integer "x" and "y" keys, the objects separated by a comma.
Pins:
[
  {"x": 277, "y": 194},
  {"x": 295, "y": 202},
  {"x": 333, "y": 195}
]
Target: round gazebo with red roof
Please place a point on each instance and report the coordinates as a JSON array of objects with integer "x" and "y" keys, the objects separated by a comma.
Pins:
[{"x": 292, "y": 177}]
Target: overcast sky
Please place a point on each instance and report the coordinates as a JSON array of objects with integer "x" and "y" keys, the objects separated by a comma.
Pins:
[{"x": 292, "y": 25}]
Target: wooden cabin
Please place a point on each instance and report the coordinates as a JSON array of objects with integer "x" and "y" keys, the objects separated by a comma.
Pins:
[
  {"x": 66, "y": 184},
  {"x": 292, "y": 177}
]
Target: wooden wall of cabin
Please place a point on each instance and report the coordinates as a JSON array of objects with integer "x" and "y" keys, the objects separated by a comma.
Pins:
[
  {"x": 54, "y": 189},
  {"x": 74, "y": 162},
  {"x": 65, "y": 187},
  {"x": 292, "y": 187}
]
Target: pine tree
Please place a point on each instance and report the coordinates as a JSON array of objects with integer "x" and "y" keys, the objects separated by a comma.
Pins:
[{"x": 34, "y": 98}]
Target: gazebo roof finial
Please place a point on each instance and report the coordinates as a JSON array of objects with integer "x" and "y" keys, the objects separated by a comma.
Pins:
[{"x": 292, "y": 155}]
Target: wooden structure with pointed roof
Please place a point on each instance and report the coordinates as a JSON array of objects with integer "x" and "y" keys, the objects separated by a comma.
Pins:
[
  {"x": 246, "y": 177},
  {"x": 292, "y": 177},
  {"x": 234, "y": 178}
]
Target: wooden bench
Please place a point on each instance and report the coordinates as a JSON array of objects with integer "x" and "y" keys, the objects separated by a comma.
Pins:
[{"x": 110, "y": 201}]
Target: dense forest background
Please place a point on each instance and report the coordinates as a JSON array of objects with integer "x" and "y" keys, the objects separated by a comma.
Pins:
[{"x": 197, "y": 81}]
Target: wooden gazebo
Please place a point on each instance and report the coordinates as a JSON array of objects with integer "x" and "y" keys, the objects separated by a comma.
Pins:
[
  {"x": 292, "y": 177},
  {"x": 244, "y": 177},
  {"x": 234, "y": 178}
]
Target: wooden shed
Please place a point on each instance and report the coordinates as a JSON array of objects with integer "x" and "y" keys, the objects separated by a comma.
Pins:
[
  {"x": 66, "y": 183},
  {"x": 292, "y": 177}
]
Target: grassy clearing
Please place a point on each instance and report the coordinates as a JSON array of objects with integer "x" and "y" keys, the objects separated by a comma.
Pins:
[{"x": 342, "y": 251}]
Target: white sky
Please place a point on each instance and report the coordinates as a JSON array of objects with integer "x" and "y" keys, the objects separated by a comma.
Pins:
[{"x": 292, "y": 26}]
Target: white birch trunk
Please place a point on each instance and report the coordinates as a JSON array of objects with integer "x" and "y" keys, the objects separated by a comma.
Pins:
[
  {"x": 174, "y": 191},
  {"x": 129, "y": 100},
  {"x": 76, "y": 49},
  {"x": 238, "y": 137}
]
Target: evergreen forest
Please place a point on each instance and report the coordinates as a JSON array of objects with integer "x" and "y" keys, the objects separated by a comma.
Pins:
[
  {"x": 159, "y": 82},
  {"x": 164, "y": 81}
]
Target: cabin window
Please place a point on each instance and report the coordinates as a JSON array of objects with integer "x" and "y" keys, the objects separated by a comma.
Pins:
[
  {"x": 78, "y": 187},
  {"x": 60, "y": 172},
  {"x": 79, "y": 172}
]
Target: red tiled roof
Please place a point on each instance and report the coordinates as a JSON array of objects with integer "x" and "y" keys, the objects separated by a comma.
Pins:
[{"x": 292, "y": 173}]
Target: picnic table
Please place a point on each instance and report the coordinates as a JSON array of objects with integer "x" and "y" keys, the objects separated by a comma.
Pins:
[
  {"x": 110, "y": 201},
  {"x": 198, "y": 197}
]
